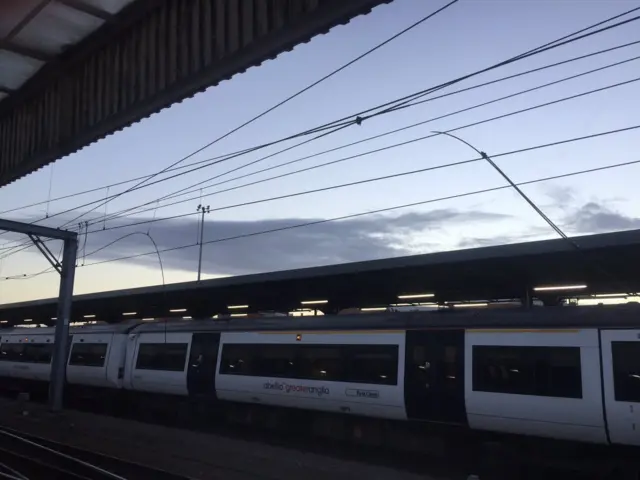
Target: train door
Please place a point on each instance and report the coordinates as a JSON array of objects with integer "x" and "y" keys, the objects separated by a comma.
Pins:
[
  {"x": 621, "y": 382},
  {"x": 203, "y": 358},
  {"x": 434, "y": 375}
]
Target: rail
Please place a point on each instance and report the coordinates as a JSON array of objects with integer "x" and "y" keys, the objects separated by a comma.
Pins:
[{"x": 25, "y": 457}]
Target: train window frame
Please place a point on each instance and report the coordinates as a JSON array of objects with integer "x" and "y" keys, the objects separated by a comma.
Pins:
[
  {"x": 384, "y": 354},
  {"x": 38, "y": 353},
  {"x": 307, "y": 362},
  {"x": 623, "y": 389},
  {"x": 27, "y": 352},
  {"x": 143, "y": 363},
  {"x": 73, "y": 362},
  {"x": 534, "y": 377},
  {"x": 10, "y": 354}
]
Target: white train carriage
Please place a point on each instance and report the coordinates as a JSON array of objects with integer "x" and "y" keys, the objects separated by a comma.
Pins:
[
  {"x": 26, "y": 355},
  {"x": 544, "y": 383},
  {"x": 353, "y": 372},
  {"x": 570, "y": 374},
  {"x": 97, "y": 355},
  {"x": 620, "y": 351},
  {"x": 157, "y": 362}
]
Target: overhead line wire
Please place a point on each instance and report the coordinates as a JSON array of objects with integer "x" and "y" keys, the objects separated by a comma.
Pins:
[
  {"x": 360, "y": 214},
  {"x": 382, "y": 210},
  {"x": 405, "y": 102},
  {"x": 417, "y": 95},
  {"x": 386, "y": 177},
  {"x": 121, "y": 214},
  {"x": 356, "y": 118},
  {"x": 291, "y": 97},
  {"x": 207, "y": 160},
  {"x": 535, "y": 51},
  {"x": 374, "y": 151}
]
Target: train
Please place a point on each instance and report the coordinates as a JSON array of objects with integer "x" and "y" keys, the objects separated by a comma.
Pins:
[{"x": 563, "y": 373}]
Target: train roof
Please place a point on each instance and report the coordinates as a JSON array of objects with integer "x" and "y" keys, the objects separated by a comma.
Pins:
[
  {"x": 618, "y": 316},
  {"x": 597, "y": 316},
  {"x": 124, "y": 327}
]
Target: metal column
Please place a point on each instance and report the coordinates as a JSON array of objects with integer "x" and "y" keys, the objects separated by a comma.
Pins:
[
  {"x": 59, "y": 360},
  {"x": 67, "y": 272}
]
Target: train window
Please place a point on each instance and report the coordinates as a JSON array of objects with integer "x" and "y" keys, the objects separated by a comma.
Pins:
[
  {"x": 37, "y": 353},
  {"x": 320, "y": 362},
  {"x": 162, "y": 356},
  {"x": 373, "y": 364},
  {"x": 11, "y": 352},
  {"x": 88, "y": 354},
  {"x": 274, "y": 361},
  {"x": 237, "y": 359},
  {"x": 626, "y": 371},
  {"x": 540, "y": 371}
]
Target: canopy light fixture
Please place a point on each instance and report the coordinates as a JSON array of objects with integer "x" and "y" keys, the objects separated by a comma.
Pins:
[
  {"x": 89, "y": 316},
  {"x": 416, "y": 295},
  {"x": 373, "y": 309},
  {"x": 314, "y": 302},
  {"x": 469, "y": 305},
  {"x": 559, "y": 287},
  {"x": 237, "y": 307},
  {"x": 178, "y": 310},
  {"x": 129, "y": 314}
]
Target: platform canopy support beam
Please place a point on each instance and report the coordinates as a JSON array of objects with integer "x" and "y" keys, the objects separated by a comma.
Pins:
[{"x": 67, "y": 270}]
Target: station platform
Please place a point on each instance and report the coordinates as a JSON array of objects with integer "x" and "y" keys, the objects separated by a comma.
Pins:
[{"x": 195, "y": 455}]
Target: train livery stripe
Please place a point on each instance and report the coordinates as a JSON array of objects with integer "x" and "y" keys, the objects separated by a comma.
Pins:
[
  {"x": 327, "y": 332},
  {"x": 523, "y": 330}
]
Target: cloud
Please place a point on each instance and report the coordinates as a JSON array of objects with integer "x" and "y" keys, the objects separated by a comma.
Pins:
[
  {"x": 355, "y": 239},
  {"x": 594, "y": 217},
  {"x": 532, "y": 234}
]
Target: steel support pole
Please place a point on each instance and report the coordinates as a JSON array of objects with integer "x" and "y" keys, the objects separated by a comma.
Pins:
[
  {"x": 201, "y": 240},
  {"x": 58, "y": 363}
]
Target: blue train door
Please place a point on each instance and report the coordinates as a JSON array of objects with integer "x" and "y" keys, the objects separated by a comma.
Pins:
[
  {"x": 434, "y": 376},
  {"x": 203, "y": 358}
]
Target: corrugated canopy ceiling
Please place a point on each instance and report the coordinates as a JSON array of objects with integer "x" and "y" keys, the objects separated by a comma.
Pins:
[{"x": 34, "y": 32}]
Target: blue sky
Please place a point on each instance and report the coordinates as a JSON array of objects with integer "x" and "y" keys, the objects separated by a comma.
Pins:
[{"x": 468, "y": 36}]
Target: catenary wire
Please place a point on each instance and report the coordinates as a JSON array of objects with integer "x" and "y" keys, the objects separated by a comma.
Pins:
[
  {"x": 382, "y": 210},
  {"x": 360, "y": 214},
  {"x": 409, "y": 98},
  {"x": 359, "y": 182},
  {"x": 366, "y": 153},
  {"x": 357, "y": 119},
  {"x": 549, "y": 46},
  {"x": 387, "y": 177},
  {"x": 283, "y": 102},
  {"x": 207, "y": 160},
  {"x": 121, "y": 213}
]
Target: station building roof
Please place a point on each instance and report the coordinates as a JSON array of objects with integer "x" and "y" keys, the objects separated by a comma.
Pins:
[
  {"x": 605, "y": 263},
  {"x": 74, "y": 71}
]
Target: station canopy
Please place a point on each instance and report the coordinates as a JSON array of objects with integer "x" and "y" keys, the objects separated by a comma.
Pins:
[{"x": 604, "y": 264}]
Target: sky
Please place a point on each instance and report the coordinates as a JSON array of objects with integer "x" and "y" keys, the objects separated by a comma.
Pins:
[{"x": 469, "y": 36}]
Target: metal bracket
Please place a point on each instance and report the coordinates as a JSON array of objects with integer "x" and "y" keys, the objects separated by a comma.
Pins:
[{"x": 46, "y": 252}]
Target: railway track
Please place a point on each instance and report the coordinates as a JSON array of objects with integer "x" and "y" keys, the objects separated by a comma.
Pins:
[
  {"x": 490, "y": 464},
  {"x": 25, "y": 457}
]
